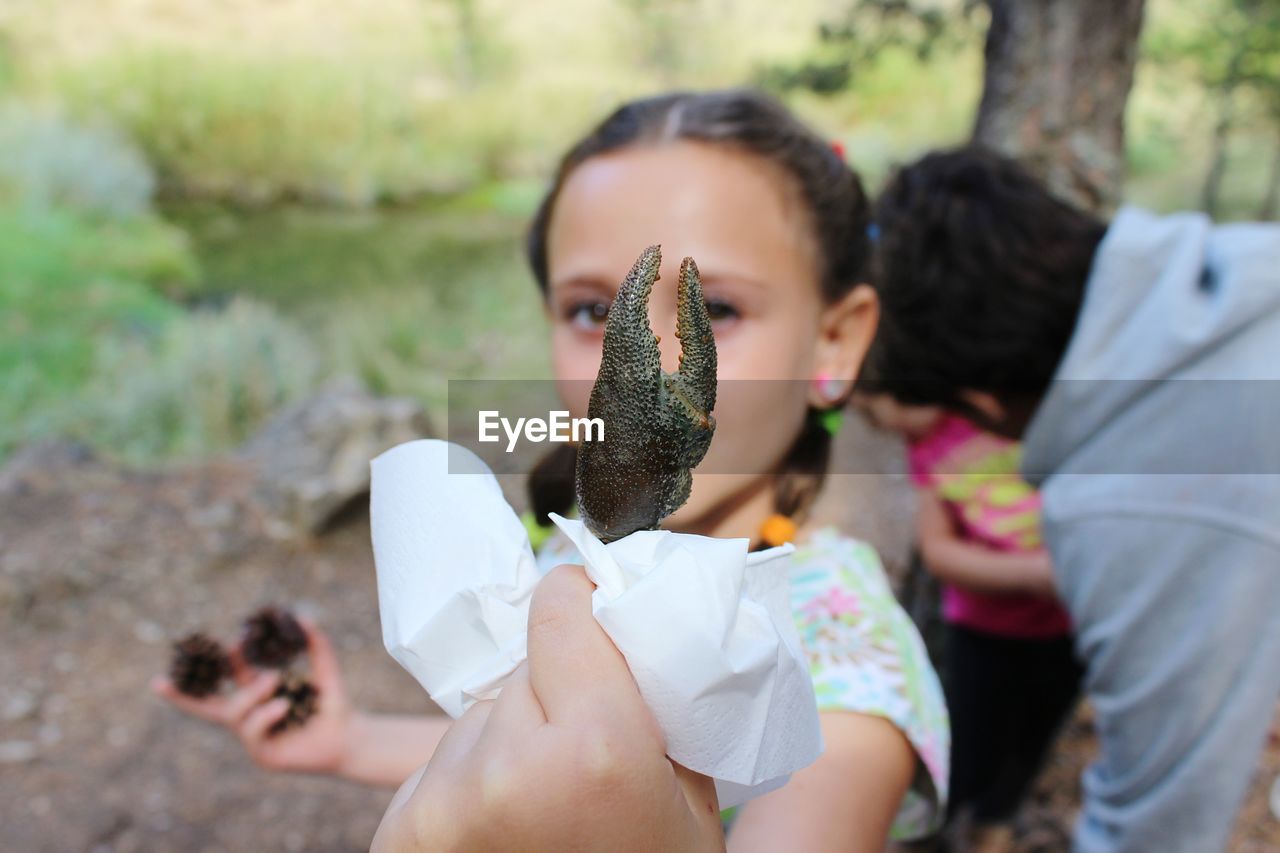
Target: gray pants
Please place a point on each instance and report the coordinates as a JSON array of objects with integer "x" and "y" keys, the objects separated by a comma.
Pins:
[{"x": 1178, "y": 622}]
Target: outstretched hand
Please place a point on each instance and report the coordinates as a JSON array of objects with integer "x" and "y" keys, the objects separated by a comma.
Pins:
[
  {"x": 567, "y": 757},
  {"x": 318, "y": 746}
]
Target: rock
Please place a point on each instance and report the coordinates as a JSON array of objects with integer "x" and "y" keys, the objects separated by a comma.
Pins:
[
  {"x": 17, "y": 751},
  {"x": 313, "y": 459},
  {"x": 41, "y": 465},
  {"x": 148, "y": 632},
  {"x": 21, "y": 705},
  {"x": 214, "y": 516}
]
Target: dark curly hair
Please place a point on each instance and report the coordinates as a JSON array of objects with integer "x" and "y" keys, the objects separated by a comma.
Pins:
[
  {"x": 838, "y": 211},
  {"x": 981, "y": 273}
]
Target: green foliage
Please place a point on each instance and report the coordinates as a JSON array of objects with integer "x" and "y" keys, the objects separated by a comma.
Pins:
[
  {"x": 47, "y": 161},
  {"x": 83, "y": 262},
  {"x": 202, "y": 384},
  {"x": 258, "y": 128},
  {"x": 1225, "y": 44},
  {"x": 1229, "y": 49},
  {"x": 403, "y": 299},
  {"x": 862, "y": 30},
  {"x": 68, "y": 283},
  {"x": 274, "y": 134}
]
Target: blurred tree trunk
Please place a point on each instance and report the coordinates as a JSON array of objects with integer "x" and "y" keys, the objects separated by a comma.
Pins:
[
  {"x": 469, "y": 35},
  {"x": 1221, "y": 133},
  {"x": 1271, "y": 201},
  {"x": 1218, "y": 155},
  {"x": 1058, "y": 74}
]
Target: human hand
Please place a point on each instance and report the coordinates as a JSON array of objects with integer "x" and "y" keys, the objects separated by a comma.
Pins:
[
  {"x": 321, "y": 745},
  {"x": 1038, "y": 577},
  {"x": 567, "y": 757}
]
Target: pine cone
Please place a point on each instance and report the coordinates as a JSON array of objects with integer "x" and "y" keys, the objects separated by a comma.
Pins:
[
  {"x": 199, "y": 665},
  {"x": 272, "y": 638},
  {"x": 303, "y": 698}
]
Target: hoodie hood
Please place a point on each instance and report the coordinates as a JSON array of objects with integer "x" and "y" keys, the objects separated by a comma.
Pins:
[{"x": 1180, "y": 321}]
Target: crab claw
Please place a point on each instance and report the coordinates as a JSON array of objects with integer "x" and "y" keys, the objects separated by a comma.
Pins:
[{"x": 657, "y": 425}]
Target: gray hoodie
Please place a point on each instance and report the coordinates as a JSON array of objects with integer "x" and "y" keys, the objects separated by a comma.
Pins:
[{"x": 1157, "y": 450}]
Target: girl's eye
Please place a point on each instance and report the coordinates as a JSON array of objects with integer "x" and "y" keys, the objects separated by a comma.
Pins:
[
  {"x": 588, "y": 314},
  {"x": 719, "y": 310}
]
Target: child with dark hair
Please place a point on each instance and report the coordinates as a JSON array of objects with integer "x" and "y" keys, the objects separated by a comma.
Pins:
[
  {"x": 1009, "y": 670},
  {"x": 1138, "y": 362},
  {"x": 777, "y": 223}
]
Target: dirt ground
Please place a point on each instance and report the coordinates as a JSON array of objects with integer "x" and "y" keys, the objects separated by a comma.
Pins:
[{"x": 100, "y": 569}]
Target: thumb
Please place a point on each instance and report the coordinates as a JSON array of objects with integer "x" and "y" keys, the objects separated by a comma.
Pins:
[
  {"x": 325, "y": 669},
  {"x": 577, "y": 674}
]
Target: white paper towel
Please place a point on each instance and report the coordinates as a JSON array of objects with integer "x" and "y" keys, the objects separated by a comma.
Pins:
[{"x": 704, "y": 625}]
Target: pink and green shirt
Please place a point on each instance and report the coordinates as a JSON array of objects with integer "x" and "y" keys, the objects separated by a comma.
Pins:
[{"x": 975, "y": 475}]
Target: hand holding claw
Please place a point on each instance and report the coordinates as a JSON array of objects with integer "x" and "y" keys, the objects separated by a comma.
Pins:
[{"x": 657, "y": 425}]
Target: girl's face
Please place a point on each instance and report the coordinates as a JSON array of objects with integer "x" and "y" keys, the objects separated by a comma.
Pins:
[{"x": 737, "y": 215}]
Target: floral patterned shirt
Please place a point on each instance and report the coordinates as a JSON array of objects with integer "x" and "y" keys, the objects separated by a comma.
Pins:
[{"x": 865, "y": 656}]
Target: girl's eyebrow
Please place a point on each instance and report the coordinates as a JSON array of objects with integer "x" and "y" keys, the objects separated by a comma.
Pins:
[
  {"x": 583, "y": 282},
  {"x": 720, "y": 279},
  {"x": 601, "y": 284}
]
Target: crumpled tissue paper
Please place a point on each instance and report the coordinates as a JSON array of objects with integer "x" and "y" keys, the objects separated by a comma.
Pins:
[{"x": 705, "y": 626}]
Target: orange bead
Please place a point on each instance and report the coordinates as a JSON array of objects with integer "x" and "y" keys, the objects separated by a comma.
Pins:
[{"x": 777, "y": 530}]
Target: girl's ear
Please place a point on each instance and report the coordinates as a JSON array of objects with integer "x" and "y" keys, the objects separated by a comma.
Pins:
[{"x": 845, "y": 332}]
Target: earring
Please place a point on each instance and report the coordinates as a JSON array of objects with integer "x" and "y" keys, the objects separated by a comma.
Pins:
[
  {"x": 831, "y": 416},
  {"x": 830, "y": 389}
]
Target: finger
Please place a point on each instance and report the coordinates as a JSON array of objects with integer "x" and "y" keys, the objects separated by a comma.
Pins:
[
  {"x": 257, "y": 722},
  {"x": 249, "y": 697},
  {"x": 576, "y": 672},
  {"x": 461, "y": 738},
  {"x": 396, "y": 830},
  {"x": 241, "y": 672},
  {"x": 211, "y": 709},
  {"x": 325, "y": 669},
  {"x": 407, "y": 790},
  {"x": 516, "y": 711}
]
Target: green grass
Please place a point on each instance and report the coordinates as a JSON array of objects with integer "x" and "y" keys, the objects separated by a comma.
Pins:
[
  {"x": 68, "y": 283},
  {"x": 203, "y": 384},
  {"x": 257, "y": 129},
  {"x": 405, "y": 299},
  {"x": 95, "y": 342}
]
